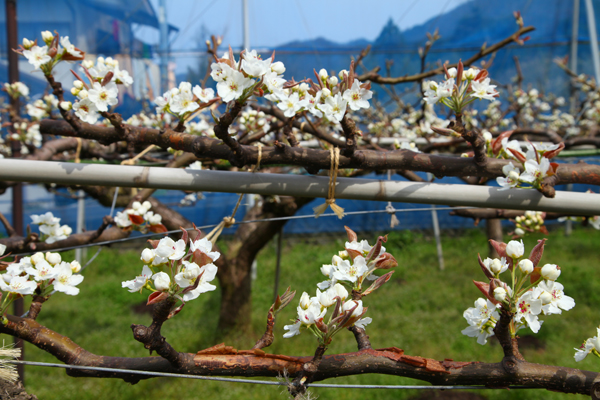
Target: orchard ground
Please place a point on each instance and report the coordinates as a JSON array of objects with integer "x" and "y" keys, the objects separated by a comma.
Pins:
[{"x": 420, "y": 311}]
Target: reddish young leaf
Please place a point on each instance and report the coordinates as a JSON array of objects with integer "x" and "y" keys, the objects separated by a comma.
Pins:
[
  {"x": 153, "y": 243},
  {"x": 485, "y": 289},
  {"x": 201, "y": 258},
  {"x": 136, "y": 219},
  {"x": 184, "y": 235},
  {"x": 497, "y": 143},
  {"x": 554, "y": 153},
  {"x": 386, "y": 261},
  {"x": 520, "y": 156},
  {"x": 537, "y": 252},
  {"x": 375, "y": 250},
  {"x": 175, "y": 311},
  {"x": 351, "y": 234},
  {"x": 353, "y": 253},
  {"x": 486, "y": 271},
  {"x": 535, "y": 275},
  {"x": 378, "y": 283},
  {"x": 156, "y": 297},
  {"x": 158, "y": 228}
]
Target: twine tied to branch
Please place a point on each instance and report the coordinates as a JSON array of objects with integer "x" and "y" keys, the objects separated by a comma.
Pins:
[
  {"x": 230, "y": 220},
  {"x": 132, "y": 161},
  {"x": 335, "y": 162}
]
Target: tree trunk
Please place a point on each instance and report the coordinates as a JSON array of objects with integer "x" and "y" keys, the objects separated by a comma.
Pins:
[{"x": 494, "y": 231}]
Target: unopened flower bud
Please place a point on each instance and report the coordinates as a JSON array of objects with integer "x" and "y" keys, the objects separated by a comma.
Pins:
[
  {"x": 162, "y": 281},
  {"x": 487, "y": 136},
  {"x": 471, "y": 73},
  {"x": 500, "y": 294},
  {"x": 305, "y": 301},
  {"x": 496, "y": 266},
  {"x": 325, "y": 93},
  {"x": 78, "y": 84},
  {"x": 546, "y": 298},
  {"x": 342, "y": 74},
  {"x": 333, "y": 80},
  {"x": 53, "y": 258},
  {"x": 75, "y": 266},
  {"x": 464, "y": 155},
  {"x": 87, "y": 64},
  {"x": 550, "y": 272},
  {"x": 36, "y": 258},
  {"x": 47, "y": 37},
  {"x": 323, "y": 74},
  {"x": 513, "y": 175},
  {"x": 83, "y": 94},
  {"x": 66, "y": 105},
  {"x": 27, "y": 44},
  {"x": 75, "y": 91},
  {"x": 452, "y": 72},
  {"x": 519, "y": 232},
  {"x": 515, "y": 249},
  {"x": 147, "y": 256},
  {"x": 278, "y": 67},
  {"x": 526, "y": 266}
]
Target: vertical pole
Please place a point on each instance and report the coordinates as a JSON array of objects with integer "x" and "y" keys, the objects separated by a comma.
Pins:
[
  {"x": 164, "y": 45},
  {"x": 593, "y": 38},
  {"x": 246, "y": 24},
  {"x": 436, "y": 231},
  {"x": 80, "y": 222},
  {"x": 573, "y": 56},
  {"x": 17, "y": 190},
  {"x": 278, "y": 264}
]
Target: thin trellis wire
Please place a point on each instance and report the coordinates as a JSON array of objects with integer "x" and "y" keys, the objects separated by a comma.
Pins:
[
  {"x": 148, "y": 235},
  {"x": 253, "y": 381}
]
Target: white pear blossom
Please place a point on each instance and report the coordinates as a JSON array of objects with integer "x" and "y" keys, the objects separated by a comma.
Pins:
[
  {"x": 69, "y": 48},
  {"x": 209, "y": 272},
  {"x": 334, "y": 107},
  {"x": 170, "y": 249},
  {"x": 483, "y": 90},
  {"x": 65, "y": 280},
  {"x": 357, "y": 97},
  {"x": 103, "y": 96},
  {"x": 86, "y": 111},
  {"x": 351, "y": 272},
  {"x": 535, "y": 171},
  {"x": 515, "y": 249},
  {"x": 37, "y": 56},
  {"x": 512, "y": 177},
  {"x": 591, "y": 344},
  {"x": 481, "y": 319},
  {"x": 204, "y": 95},
  {"x": 205, "y": 246},
  {"x": 529, "y": 306},
  {"x": 233, "y": 87},
  {"x": 18, "y": 285},
  {"x": 42, "y": 271},
  {"x": 556, "y": 299},
  {"x": 290, "y": 105},
  {"x": 136, "y": 284}
]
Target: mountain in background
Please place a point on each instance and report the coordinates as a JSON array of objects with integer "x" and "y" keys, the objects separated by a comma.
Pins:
[{"x": 463, "y": 31}]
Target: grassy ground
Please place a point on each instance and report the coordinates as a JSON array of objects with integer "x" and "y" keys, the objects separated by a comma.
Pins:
[{"x": 419, "y": 310}]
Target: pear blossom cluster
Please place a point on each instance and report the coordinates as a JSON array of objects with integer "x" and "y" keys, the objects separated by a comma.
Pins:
[
  {"x": 16, "y": 90},
  {"x": 172, "y": 269},
  {"x": 50, "y": 227},
  {"x": 461, "y": 88},
  {"x": 535, "y": 163},
  {"x": 184, "y": 100},
  {"x": 527, "y": 294},
  {"x": 531, "y": 221},
  {"x": 100, "y": 92},
  {"x": 42, "y": 108},
  {"x": 55, "y": 50},
  {"x": 347, "y": 272},
  {"x": 27, "y": 133},
  {"x": 140, "y": 218},
  {"x": 40, "y": 274}
]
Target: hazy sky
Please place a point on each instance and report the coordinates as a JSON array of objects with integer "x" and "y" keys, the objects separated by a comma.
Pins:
[{"x": 274, "y": 22}]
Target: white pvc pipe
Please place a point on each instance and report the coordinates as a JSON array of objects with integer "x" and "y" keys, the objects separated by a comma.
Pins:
[{"x": 295, "y": 185}]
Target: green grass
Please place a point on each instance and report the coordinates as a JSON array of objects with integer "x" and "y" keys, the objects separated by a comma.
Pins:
[{"x": 419, "y": 310}]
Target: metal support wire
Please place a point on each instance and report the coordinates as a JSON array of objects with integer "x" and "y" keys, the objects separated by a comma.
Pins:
[
  {"x": 149, "y": 235},
  {"x": 253, "y": 381}
]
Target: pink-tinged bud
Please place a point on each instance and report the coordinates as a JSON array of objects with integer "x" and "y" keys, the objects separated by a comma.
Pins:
[
  {"x": 537, "y": 252},
  {"x": 352, "y": 237},
  {"x": 459, "y": 72},
  {"x": 550, "y": 272},
  {"x": 386, "y": 261},
  {"x": 52, "y": 52}
]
